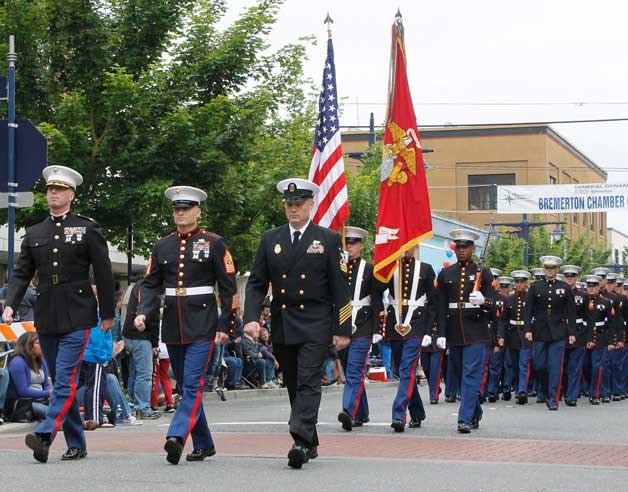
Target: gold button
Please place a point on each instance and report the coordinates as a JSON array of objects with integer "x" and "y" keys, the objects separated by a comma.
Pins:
[
  {"x": 180, "y": 283},
  {"x": 182, "y": 241},
  {"x": 301, "y": 307},
  {"x": 56, "y": 236},
  {"x": 180, "y": 265},
  {"x": 58, "y": 224},
  {"x": 54, "y": 263},
  {"x": 180, "y": 274},
  {"x": 301, "y": 292},
  {"x": 283, "y": 291},
  {"x": 303, "y": 275},
  {"x": 181, "y": 256},
  {"x": 283, "y": 306},
  {"x": 284, "y": 276},
  {"x": 205, "y": 305},
  {"x": 55, "y": 250},
  {"x": 80, "y": 291},
  {"x": 182, "y": 248}
]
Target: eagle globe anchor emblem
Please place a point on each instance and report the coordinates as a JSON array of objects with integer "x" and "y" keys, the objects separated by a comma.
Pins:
[{"x": 398, "y": 157}]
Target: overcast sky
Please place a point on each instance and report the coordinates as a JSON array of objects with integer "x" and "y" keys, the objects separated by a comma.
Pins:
[{"x": 480, "y": 62}]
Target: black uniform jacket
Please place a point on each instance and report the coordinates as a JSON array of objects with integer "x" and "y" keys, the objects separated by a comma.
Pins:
[
  {"x": 367, "y": 319},
  {"x": 581, "y": 299},
  {"x": 617, "y": 301},
  {"x": 61, "y": 251},
  {"x": 464, "y": 325},
  {"x": 510, "y": 324},
  {"x": 423, "y": 317},
  {"x": 180, "y": 262},
  {"x": 601, "y": 322},
  {"x": 311, "y": 300},
  {"x": 550, "y": 311}
]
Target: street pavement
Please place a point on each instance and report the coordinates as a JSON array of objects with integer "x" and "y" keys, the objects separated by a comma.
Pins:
[{"x": 516, "y": 449}]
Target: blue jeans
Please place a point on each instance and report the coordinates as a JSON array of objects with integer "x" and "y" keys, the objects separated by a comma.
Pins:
[
  {"x": 39, "y": 410},
  {"x": 386, "y": 352},
  {"x": 4, "y": 384},
  {"x": 140, "y": 372},
  {"x": 216, "y": 362},
  {"x": 234, "y": 370},
  {"x": 265, "y": 370},
  {"x": 116, "y": 397}
]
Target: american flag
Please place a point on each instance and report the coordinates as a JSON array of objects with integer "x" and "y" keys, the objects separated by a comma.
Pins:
[{"x": 327, "y": 169}]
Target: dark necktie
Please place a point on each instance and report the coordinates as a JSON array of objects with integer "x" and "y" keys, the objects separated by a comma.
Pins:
[{"x": 295, "y": 238}]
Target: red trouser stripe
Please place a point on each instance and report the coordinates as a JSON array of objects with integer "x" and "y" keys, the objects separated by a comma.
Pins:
[
  {"x": 560, "y": 378},
  {"x": 199, "y": 393},
  {"x": 411, "y": 385},
  {"x": 70, "y": 399},
  {"x": 599, "y": 383},
  {"x": 356, "y": 404},
  {"x": 440, "y": 368},
  {"x": 485, "y": 376}
]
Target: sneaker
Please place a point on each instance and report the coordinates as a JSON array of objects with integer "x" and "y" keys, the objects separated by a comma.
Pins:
[
  {"x": 131, "y": 420},
  {"x": 264, "y": 386},
  {"x": 169, "y": 409},
  {"x": 151, "y": 415}
]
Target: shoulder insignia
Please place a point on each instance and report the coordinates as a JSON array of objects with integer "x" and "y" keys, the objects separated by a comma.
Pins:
[
  {"x": 85, "y": 217},
  {"x": 228, "y": 262}
]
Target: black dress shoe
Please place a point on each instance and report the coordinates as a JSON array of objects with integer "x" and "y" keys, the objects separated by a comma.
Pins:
[
  {"x": 594, "y": 401},
  {"x": 450, "y": 399},
  {"x": 492, "y": 397},
  {"x": 298, "y": 455},
  {"x": 345, "y": 419},
  {"x": 39, "y": 446},
  {"x": 606, "y": 399},
  {"x": 541, "y": 399},
  {"x": 200, "y": 454},
  {"x": 464, "y": 428},
  {"x": 433, "y": 402},
  {"x": 507, "y": 396},
  {"x": 616, "y": 398},
  {"x": 571, "y": 403},
  {"x": 398, "y": 425},
  {"x": 522, "y": 398},
  {"x": 174, "y": 448},
  {"x": 552, "y": 406},
  {"x": 415, "y": 423},
  {"x": 360, "y": 422},
  {"x": 475, "y": 422},
  {"x": 73, "y": 454},
  {"x": 312, "y": 453}
]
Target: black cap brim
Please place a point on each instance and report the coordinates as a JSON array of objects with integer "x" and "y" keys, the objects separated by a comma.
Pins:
[
  {"x": 463, "y": 242},
  {"x": 184, "y": 204}
]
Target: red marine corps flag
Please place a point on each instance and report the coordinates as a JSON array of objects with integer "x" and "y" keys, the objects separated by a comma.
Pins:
[
  {"x": 403, "y": 217},
  {"x": 327, "y": 168}
]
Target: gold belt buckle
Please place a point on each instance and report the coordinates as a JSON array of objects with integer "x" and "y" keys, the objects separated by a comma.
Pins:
[
  {"x": 181, "y": 291},
  {"x": 55, "y": 279}
]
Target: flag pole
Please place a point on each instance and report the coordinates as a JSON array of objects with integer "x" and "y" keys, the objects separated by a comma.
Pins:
[{"x": 328, "y": 20}]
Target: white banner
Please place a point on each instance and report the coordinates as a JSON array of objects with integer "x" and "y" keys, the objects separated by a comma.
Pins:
[{"x": 548, "y": 199}]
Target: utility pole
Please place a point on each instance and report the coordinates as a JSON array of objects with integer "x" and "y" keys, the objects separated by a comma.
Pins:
[{"x": 12, "y": 126}]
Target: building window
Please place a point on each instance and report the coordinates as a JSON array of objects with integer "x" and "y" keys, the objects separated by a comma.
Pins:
[{"x": 483, "y": 189}]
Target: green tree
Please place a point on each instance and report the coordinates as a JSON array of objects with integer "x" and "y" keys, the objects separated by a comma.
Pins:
[{"x": 138, "y": 95}]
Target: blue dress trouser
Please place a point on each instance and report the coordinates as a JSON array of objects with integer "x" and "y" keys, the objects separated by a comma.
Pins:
[
  {"x": 64, "y": 354},
  {"x": 495, "y": 367},
  {"x": 511, "y": 369},
  {"x": 354, "y": 400},
  {"x": 452, "y": 383},
  {"x": 189, "y": 364},
  {"x": 548, "y": 364},
  {"x": 468, "y": 362},
  {"x": 525, "y": 368},
  {"x": 618, "y": 380},
  {"x": 575, "y": 360},
  {"x": 406, "y": 357},
  {"x": 600, "y": 373},
  {"x": 432, "y": 363}
]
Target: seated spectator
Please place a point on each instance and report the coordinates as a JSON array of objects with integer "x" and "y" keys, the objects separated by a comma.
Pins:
[
  {"x": 29, "y": 375},
  {"x": 255, "y": 360},
  {"x": 4, "y": 386},
  {"x": 234, "y": 373},
  {"x": 267, "y": 352}
]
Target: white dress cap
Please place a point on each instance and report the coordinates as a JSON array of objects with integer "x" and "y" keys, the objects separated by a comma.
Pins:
[
  {"x": 297, "y": 189},
  {"x": 550, "y": 260},
  {"x": 464, "y": 236},
  {"x": 185, "y": 196},
  {"x": 600, "y": 271},
  {"x": 576, "y": 270},
  {"x": 355, "y": 233},
  {"x": 62, "y": 176},
  {"x": 506, "y": 280},
  {"x": 496, "y": 272},
  {"x": 520, "y": 274},
  {"x": 592, "y": 279}
]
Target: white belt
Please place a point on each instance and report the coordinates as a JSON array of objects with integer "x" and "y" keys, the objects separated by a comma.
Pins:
[
  {"x": 466, "y": 305},
  {"x": 579, "y": 320},
  {"x": 362, "y": 302},
  {"x": 600, "y": 323},
  {"x": 188, "y": 291},
  {"x": 516, "y": 323}
]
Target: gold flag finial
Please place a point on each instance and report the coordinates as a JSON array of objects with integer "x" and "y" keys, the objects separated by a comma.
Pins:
[{"x": 328, "y": 20}]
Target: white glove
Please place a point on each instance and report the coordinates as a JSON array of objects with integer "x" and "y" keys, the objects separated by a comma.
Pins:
[
  {"x": 476, "y": 298},
  {"x": 377, "y": 338},
  {"x": 427, "y": 341},
  {"x": 441, "y": 343}
]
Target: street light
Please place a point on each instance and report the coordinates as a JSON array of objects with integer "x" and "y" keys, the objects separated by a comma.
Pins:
[{"x": 557, "y": 233}]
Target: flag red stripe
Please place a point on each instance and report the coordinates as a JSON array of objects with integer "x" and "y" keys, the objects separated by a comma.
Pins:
[
  {"x": 325, "y": 202},
  {"x": 323, "y": 170}
]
